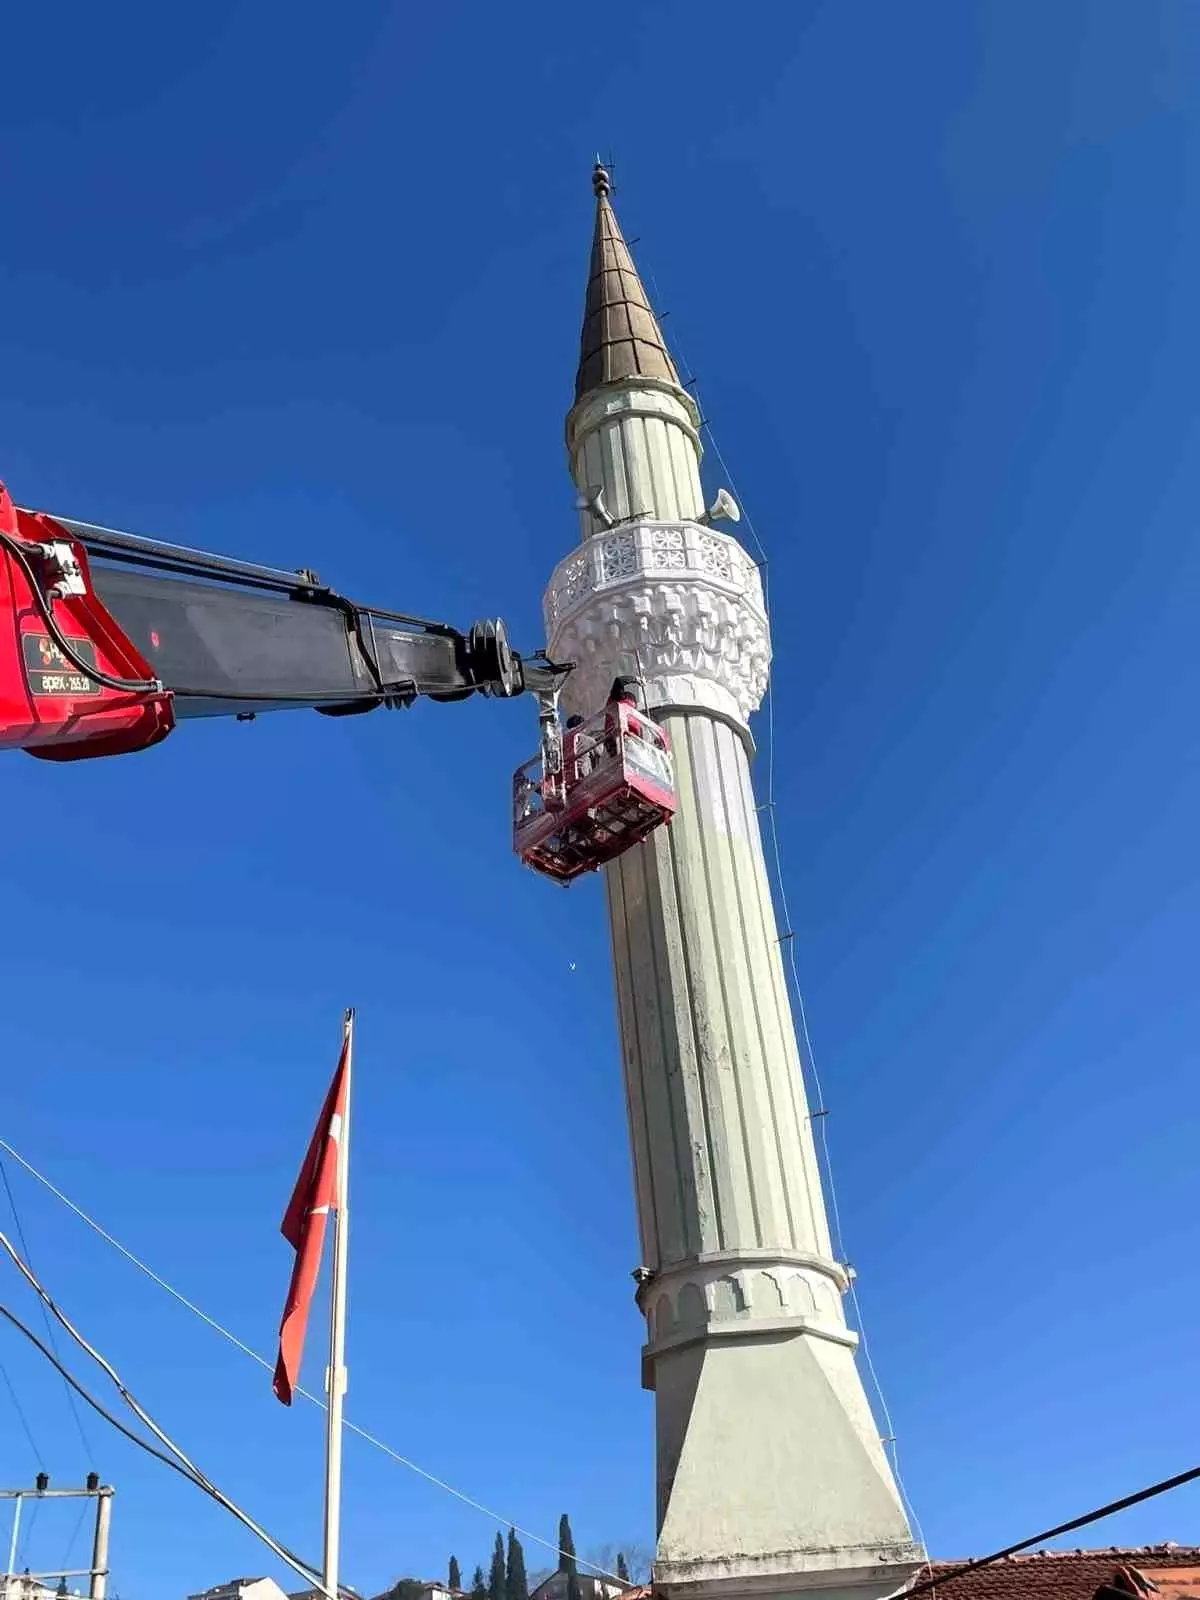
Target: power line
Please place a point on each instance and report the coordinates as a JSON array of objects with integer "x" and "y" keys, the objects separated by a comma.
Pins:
[
  {"x": 24, "y": 1420},
  {"x": 12, "y": 1201},
  {"x": 809, "y": 1060},
  {"x": 176, "y": 1459},
  {"x": 75, "y": 1532},
  {"x": 929, "y": 1584},
  {"x": 248, "y": 1350},
  {"x": 27, "y": 1532},
  {"x": 1136, "y": 1499},
  {"x": 308, "y": 1573}
]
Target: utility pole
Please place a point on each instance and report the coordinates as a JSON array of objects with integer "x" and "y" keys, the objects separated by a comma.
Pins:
[
  {"x": 97, "y": 1573},
  {"x": 98, "y": 1586}
]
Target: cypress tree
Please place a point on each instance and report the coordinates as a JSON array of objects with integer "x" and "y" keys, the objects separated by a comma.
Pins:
[
  {"x": 516, "y": 1584},
  {"x": 497, "y": 1575},
  {"x": 622, "y": 1567},
  {"x": 454, "y": 1576},
  {"x": 566, "y": 1559},
  {"x": 479, "y": 1588}
]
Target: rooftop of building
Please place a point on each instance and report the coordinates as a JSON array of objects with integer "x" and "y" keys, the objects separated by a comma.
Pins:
[
  {"x": 1144, "y": 1572},
  {"x": 226, "y": 1588},
  {"x": 1069, "y": 1574}
]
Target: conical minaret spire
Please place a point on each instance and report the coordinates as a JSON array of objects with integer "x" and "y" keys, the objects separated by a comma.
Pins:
[
  {"x": 621, "y": 338},
  {"x": 633, "y": 432},
  {"x": 772, "y": 1479}
]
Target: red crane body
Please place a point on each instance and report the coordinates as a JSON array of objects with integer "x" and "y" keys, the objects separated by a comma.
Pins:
[{"x": 50, "y": 705}]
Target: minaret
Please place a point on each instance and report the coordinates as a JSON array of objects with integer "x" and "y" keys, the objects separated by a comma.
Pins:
[{"x": 771, "y": 1475}]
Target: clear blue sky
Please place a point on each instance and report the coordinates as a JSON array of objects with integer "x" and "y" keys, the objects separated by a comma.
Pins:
[{"x": 305, "y": 286}]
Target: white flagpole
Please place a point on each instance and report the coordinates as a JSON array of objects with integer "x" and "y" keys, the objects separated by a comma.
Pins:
[{"x": 335, "y": 1381}]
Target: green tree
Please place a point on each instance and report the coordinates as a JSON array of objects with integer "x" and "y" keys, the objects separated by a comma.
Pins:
[
  {"x": 454, "y": 1576},
  {"x": 566, "y": 1558},
  {"x": 622, "y": 1568},
  {"x": 516, "y": 1584},
  {"x": 497, "y": 1576},
  {"x": 479, "y": 1588},
  {"x": 406, "y": 1589}
]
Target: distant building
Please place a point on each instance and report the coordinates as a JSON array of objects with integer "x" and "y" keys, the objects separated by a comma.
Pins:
[
  {"x": 20, "y": 1586},
  {"x": 406, "y": 1589},
  {"x": 555, "y": 1588},
  {"x": 244, "y": 1589}
]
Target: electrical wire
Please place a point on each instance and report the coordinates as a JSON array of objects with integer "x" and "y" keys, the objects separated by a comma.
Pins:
[
  {"x": 89, "y": 1451},
  {"x": 74, "y": 1539},
  {"x": 89, "y": 669},
  {"x": 22, "y": 1418},
  {"x": 141, "y": 686},
  {"x": 248, "y": 1350},
  {"x": 298, "y": 1565},
  {"x": 768, "y": 809},
  {"x": 176, "y": 1459},
  {"x": 27, "y": 1530},
  {"x": 383, "y": 690},
  {"x": 27, "y": 1535}
]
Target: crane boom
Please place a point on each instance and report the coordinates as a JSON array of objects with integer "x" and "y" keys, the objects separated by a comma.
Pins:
[{"x": 108, "y": 638}]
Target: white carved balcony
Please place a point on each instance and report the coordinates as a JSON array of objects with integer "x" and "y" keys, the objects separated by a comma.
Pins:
[{"x": 675, "y": 603}]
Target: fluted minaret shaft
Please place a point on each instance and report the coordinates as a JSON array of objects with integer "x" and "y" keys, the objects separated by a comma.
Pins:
[{"x": 771, "y": 1475}]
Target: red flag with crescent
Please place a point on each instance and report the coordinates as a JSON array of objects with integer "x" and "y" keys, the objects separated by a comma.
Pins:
[{"x": 304, "y": 1225}]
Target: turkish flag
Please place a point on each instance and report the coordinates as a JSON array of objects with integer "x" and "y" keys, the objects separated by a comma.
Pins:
[{"x": 316, "y": 1194}]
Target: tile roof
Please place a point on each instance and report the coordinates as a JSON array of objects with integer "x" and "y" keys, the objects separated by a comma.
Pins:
[
  {"x": 1051, "y": 1574},
  {"x": 1056, "y": 1574}
]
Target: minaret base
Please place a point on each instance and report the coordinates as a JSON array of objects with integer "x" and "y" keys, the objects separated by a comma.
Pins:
[{"x": 771, "y": 1476}]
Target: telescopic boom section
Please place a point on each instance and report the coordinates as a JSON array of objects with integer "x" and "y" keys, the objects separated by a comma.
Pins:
[{"x": 107, "y": 639}]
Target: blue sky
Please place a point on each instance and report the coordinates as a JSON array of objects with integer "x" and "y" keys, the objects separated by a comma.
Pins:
[{"x": 309, "y": 292}]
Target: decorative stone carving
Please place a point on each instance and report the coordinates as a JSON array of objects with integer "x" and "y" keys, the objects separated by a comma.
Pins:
[
  {"x": 618, "y": 556},
  {"x": 667, "y": 548},
  {"x": 757, "y": 1292},
  {"x": 575, "y": 577},
  {"x": 676, "y": 603},
  {"x": 716, "y": 557}
]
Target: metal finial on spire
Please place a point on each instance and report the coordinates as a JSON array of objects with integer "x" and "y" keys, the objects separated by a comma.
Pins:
[{"x": 601, "y": 182}]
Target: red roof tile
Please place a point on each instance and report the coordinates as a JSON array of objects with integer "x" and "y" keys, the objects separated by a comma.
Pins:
[{"x": 1059, "y": 1574}]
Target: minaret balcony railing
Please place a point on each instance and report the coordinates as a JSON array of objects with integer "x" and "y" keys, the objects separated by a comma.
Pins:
[
  {"x": 678, "y": 605},
  {"x": 675, "y": 550}
]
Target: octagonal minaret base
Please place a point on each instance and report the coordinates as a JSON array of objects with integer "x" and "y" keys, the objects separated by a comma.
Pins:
[
  {"x": 779, "y": 1489},
  {"x": 771, "y": 1476}
]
